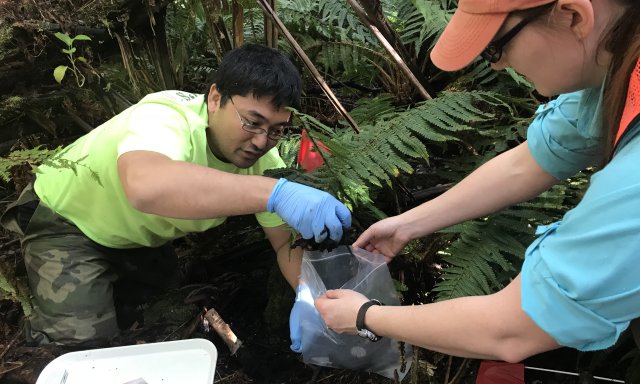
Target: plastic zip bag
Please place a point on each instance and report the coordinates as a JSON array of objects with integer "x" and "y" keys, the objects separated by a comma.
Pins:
[{"x": 363, "y": 272}]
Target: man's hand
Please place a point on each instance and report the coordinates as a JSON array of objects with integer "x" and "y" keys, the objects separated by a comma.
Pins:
[
  {"x": 311, "y": 212},
  {"x": 303, "y": 309}
]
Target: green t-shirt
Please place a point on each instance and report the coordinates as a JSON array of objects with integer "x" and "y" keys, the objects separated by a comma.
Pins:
[{"x": 173, "y": 123}]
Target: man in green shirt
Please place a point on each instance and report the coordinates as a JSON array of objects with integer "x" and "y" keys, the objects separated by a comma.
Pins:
[{"x": 172, "y": 164}]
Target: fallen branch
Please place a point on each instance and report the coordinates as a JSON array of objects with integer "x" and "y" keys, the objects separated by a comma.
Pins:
[
  {"x": 223, "y": 330},
  {"x": 15, "y": 365},
  {"x": 13, "y": 340}
]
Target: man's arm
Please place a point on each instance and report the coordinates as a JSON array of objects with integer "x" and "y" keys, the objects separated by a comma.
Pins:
[
  {"x": 289, "y": 260},
  {"x": 156, "y": 184}
]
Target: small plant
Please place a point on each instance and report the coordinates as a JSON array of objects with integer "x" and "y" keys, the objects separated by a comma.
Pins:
[
  {"x": 61, "y": 70},
  {"x": 33, "y": 157},
  {"x": 37, "y": 156}
]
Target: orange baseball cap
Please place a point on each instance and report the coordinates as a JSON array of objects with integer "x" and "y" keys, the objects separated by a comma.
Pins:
[{"x": 471, "y": 29}]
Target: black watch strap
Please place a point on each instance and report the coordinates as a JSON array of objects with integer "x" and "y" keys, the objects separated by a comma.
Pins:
[{"x": 362, "y": 331}]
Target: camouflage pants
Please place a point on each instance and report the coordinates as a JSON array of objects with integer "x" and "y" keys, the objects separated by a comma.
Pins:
[{"x": 82, "y": 291}]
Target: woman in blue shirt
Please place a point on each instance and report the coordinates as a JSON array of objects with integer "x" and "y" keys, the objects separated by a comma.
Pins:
[{"x": 579, "y": 285}]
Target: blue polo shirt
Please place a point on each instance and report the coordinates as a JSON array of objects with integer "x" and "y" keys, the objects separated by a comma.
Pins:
[
  {"x": 565, "y": 137},
  {"x": 580, "y": 279}
]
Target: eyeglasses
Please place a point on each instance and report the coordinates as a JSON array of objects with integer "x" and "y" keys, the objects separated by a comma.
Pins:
[
  {"x": 275, "y": 133},
  {"x": 493, "y": 52}
]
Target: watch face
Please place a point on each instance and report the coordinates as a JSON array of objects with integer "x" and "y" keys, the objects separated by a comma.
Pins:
[
  {"x": 367, "y": 334},
  {"x": 372, "y": 336}
]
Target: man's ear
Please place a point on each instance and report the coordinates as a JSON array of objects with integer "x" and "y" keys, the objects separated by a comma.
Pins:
[
  {"x": 582, "y": 16},
  {"x": 213, "y": 99}
]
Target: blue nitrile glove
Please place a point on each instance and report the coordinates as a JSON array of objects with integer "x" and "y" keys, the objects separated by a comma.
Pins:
[
  {"x": 309, "y": 211},
  {"x": 303, "y": 308}
]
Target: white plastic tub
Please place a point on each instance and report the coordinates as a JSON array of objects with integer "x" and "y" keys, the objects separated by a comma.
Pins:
[{"x": 190, "y": 361}]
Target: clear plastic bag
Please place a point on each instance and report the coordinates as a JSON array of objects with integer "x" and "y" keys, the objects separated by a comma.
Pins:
[{"x": 363, "y": 272}]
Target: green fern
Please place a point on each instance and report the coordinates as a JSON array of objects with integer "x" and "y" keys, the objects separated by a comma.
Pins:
[
  {"x": 32, "y": 157},
  {"x": 486, "y": 253},
  {"x": 288, "y": 150},
  {"x": 482, "y": 255},
  {"x": 356, "y": 164},
  {"x": 341, "y": 45},
  {"x": 423, "y": 22},
  {"x": 41, "y": 156},
  {"x": 372, "y": 109}
]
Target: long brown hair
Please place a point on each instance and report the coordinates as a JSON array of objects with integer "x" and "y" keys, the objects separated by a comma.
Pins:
[{"x": 623, "y": 41}]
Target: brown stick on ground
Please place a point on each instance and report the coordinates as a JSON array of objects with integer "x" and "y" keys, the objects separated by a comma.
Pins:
[{"x": 223, "y": 330}]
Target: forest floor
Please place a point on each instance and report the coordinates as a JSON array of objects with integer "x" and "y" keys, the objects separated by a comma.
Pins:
[
  {"x": 232, "y": 269},
  {"x": 233, "y": 276}
]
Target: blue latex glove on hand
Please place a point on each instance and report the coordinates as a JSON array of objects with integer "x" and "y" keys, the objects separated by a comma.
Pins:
[
  {"x": 303, "y": 309},
  {"x": 311, "y": 212}
]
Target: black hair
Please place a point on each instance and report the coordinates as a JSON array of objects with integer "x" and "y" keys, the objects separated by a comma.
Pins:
[{"x": 260, "y": 71}]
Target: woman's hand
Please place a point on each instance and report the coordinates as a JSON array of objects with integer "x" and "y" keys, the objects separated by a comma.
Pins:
[
  {"x": 386, "y": 237},
  {"x": 339, "y": 309}
]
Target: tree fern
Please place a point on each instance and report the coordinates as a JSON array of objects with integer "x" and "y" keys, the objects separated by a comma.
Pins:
[
  {"x": 355, "y": 163},
  {"x": 488, "y": 252},
  {"x": 421, "y": 22},
  {"x": 484, "y": 254},
  {"x": 342, "y": 46}
]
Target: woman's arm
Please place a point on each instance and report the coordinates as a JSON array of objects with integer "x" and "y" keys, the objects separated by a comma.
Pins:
[
  {"x": 505, "y": 180},
  {"x": 508, "y": 179},
  {"x": 487, "y": 327}
]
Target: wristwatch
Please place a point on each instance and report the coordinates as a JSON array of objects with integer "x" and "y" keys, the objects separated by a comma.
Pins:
[{"x": 362, "y": 331}]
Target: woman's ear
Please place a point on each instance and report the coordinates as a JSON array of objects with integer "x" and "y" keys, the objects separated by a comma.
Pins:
[
  {"x": 213, "y": 99},
  {"x": 582, "y": 16}
]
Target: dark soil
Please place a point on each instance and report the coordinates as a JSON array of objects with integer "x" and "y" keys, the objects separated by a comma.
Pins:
[
  {"x": 233, "y": 270},
  {"x": 233, "y": 275}
]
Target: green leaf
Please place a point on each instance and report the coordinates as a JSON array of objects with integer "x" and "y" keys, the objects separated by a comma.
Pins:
[
  {"x": 64, "y": 38},
  {"x": 81, "y": 37},
  {"x": 59, "y": 72},
  {"x": 521, "y": 80},
  {"x": 69, "y": 51},
  {"x": 82, "y": 59}
]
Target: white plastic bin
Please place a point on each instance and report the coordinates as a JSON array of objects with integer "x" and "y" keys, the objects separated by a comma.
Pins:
[{"x": 190, "y": 361}]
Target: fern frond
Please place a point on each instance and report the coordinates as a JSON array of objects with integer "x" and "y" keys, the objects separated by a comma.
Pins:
[
  {"x": 33, "y": 157},
  {"x": 498, "y": 242},
  {"x": 288, "y": 150},
  {"x": 425, "y": 20},
  {"x": 381, "y": 151}
]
